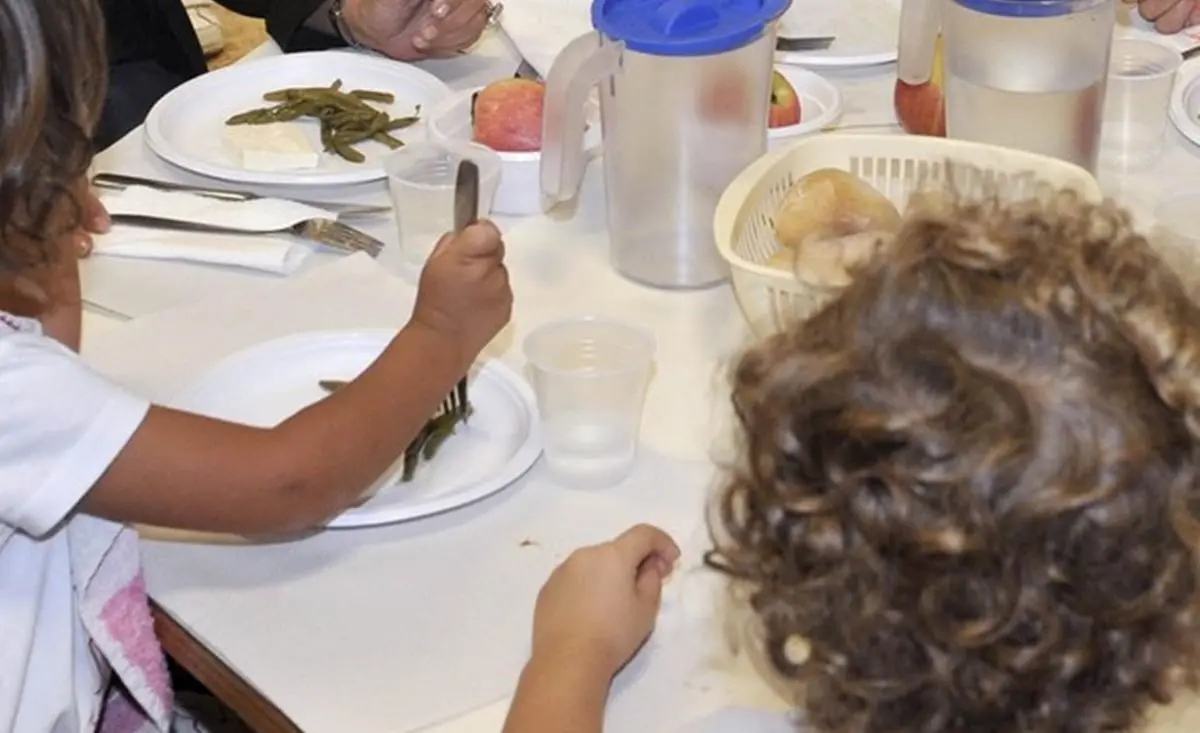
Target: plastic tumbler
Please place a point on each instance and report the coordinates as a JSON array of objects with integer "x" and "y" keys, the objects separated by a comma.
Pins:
[
  {"x": 421, "y": 178},
  {"x": 1141, "y": 76},
  {"x": 1176, "y": 236},
  {"x": 590, "y": 376}
]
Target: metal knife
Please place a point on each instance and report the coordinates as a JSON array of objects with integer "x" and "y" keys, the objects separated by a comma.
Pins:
[
  {"x": 815, "y": 43},
  {"x": 119, "y": 182},
  {"x": 526, "y": 71},
  {"x": 466, "y": 195}
]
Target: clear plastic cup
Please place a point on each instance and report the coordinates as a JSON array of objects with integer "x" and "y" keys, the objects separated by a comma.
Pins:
[
  {"x": 590, "y": 375},
  {"x": 421, "y": 178},
  {"x": 1176, "y": 236},
  {"x": 1141, "y": 76}
]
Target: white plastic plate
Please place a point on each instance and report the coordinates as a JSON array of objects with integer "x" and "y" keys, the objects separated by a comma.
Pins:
[
  {"x": 187, "y": 126},
  {"x": 267, "y": 383}
]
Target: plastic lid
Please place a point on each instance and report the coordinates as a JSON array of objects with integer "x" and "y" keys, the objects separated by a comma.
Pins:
[
  {"x": 685, "y": 27},
  {"x": 1030, "y": 8}
]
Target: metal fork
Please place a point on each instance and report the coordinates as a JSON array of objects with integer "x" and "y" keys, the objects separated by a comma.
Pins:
[{"x": 325, "y": 231}]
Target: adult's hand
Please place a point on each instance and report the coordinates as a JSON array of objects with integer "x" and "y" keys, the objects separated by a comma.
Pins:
[
  {"x": 1169, "y": 16},
  {"x": 409, "y": 30}
]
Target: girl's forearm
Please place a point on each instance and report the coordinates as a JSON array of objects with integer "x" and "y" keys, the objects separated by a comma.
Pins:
[
  {"x": 559, "y": 695},
  {"x": 190, "y": 472},
  {"x": 353, "y": 436}
]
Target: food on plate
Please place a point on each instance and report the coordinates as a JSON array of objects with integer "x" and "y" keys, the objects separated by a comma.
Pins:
[
  {"x": 507, "y": 115},
  {"x": 830, "y": 203},
  {"x": 279, "y": 147},
  {"x": 921, "y": 108},
  {"x": 830, "y": 222},
  {"x": 429, "y": 440},
  {"x": 346, "y": 117},
  {"x": 785, "y": 102}
]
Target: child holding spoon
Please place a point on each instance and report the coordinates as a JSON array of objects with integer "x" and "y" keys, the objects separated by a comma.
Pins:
[
  {"x": 967, "y": 499},
  {"x": 82, "y": 458}
]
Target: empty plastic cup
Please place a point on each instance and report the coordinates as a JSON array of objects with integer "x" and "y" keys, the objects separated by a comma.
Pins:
[
  {"x": 590, "y": 376},
  {"x": 421, "y": 178},
  {"x": 1141, "y": 76}
]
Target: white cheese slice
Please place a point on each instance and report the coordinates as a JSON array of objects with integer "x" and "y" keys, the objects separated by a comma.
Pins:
[{"x": 279, "y": 147}]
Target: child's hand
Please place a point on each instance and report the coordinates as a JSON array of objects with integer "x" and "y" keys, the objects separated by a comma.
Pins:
[
  {"x": 599, "y": 606},
  {"x": 95, "y": 221},
  {"x": 464, "y": 293}
]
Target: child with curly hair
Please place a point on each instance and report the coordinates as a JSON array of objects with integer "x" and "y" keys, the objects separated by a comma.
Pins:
[
  {"x": 80, "y": 457},
  {"x": 969, "y": 485}
]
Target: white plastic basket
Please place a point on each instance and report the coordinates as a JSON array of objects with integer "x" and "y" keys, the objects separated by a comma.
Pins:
[{"x": 896, "y": 165}]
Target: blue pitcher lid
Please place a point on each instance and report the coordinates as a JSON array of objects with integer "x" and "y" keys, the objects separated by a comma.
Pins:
[
  {"x": 1029, "y": 8},
  {"x": 685, "y": 27}
]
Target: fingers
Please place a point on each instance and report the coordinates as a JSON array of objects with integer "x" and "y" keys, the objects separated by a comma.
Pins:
[
  {"x": 643, "y": 542},
  {"x": 95, "y": 217},
  {"x": 463, "y": 26},
  {"x": 1169, "y": 16},
  {"x": 481, "y": 240},
  {"x": 451, "y": 26},
  {"x": 1175, "y": 18}
]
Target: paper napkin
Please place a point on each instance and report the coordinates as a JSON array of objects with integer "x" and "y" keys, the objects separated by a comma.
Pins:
[{"x": 275, "y": 253}]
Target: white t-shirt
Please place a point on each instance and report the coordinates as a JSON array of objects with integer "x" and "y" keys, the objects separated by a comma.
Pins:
[{"x": 61, "y": 426}]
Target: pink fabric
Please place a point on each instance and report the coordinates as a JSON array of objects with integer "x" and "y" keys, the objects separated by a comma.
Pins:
[
  {"x": 127, "y": 617},
  {"x": 116, "y": 613}
]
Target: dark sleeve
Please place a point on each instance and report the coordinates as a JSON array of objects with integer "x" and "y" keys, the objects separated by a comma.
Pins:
[{"x": 285, "y": 22}]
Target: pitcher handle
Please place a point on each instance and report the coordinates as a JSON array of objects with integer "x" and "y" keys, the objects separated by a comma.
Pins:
[{"x": 584, "y": 63}]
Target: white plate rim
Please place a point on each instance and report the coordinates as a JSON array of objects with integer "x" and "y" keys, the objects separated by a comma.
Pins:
[
  {"x": 824, "y": 60},
  {"x": 157, "y": 141},
  {"x": 1189, "y": 76},
  {"x": 523, "y": 458}
]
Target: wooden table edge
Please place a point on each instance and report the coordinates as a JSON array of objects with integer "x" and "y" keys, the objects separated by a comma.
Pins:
[{"x": 255, "y": 710}]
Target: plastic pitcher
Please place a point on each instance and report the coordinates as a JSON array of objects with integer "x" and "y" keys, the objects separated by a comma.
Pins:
[
  {"x": 684, "y": 89},
  {"x": 1028, "y": 74}
]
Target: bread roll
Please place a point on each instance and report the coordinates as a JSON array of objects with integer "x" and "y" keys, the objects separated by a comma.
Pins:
[
  {"x": 830, "y": 203},
  {"x": 830, "y": 262}
]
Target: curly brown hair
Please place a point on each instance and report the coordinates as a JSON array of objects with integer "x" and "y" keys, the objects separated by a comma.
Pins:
[
  {"x": 969, "y": 483},
  {"x": 53, "y": 74}
]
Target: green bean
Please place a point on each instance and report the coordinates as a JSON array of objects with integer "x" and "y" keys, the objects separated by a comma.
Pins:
[
  {"x": 347, "y": 152},
  {"x": 437, "y": 437},
  {"x": 370, "y": 96},
  {"x": 388, "y": 140},
  {"x": 402, "y": 122},
  {"x": 346, "y": 118}
]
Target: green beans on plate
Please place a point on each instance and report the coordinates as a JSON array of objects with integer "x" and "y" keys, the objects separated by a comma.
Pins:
[
  {"x": 346, "y": 117},
  {"x": 428, "y": 441}
]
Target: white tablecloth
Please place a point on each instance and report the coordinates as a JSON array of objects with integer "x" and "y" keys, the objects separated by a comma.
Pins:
[{"x": 391, "y": 628}]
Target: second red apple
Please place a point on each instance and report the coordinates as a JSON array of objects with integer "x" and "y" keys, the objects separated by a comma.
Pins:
[{"x": 785, "y": 102}]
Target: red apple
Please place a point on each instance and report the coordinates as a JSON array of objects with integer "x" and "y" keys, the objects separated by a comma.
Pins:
[
  {"x": 507, "y": 115},
  {"x": 921, "y": 108},
  {"x": 785, "y": 102}
]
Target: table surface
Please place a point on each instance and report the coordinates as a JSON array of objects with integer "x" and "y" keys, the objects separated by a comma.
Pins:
[{"x": 311, "y": 624}]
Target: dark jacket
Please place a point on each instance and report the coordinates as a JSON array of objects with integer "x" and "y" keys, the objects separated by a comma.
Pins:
[{"x": 153, "y": 49}]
